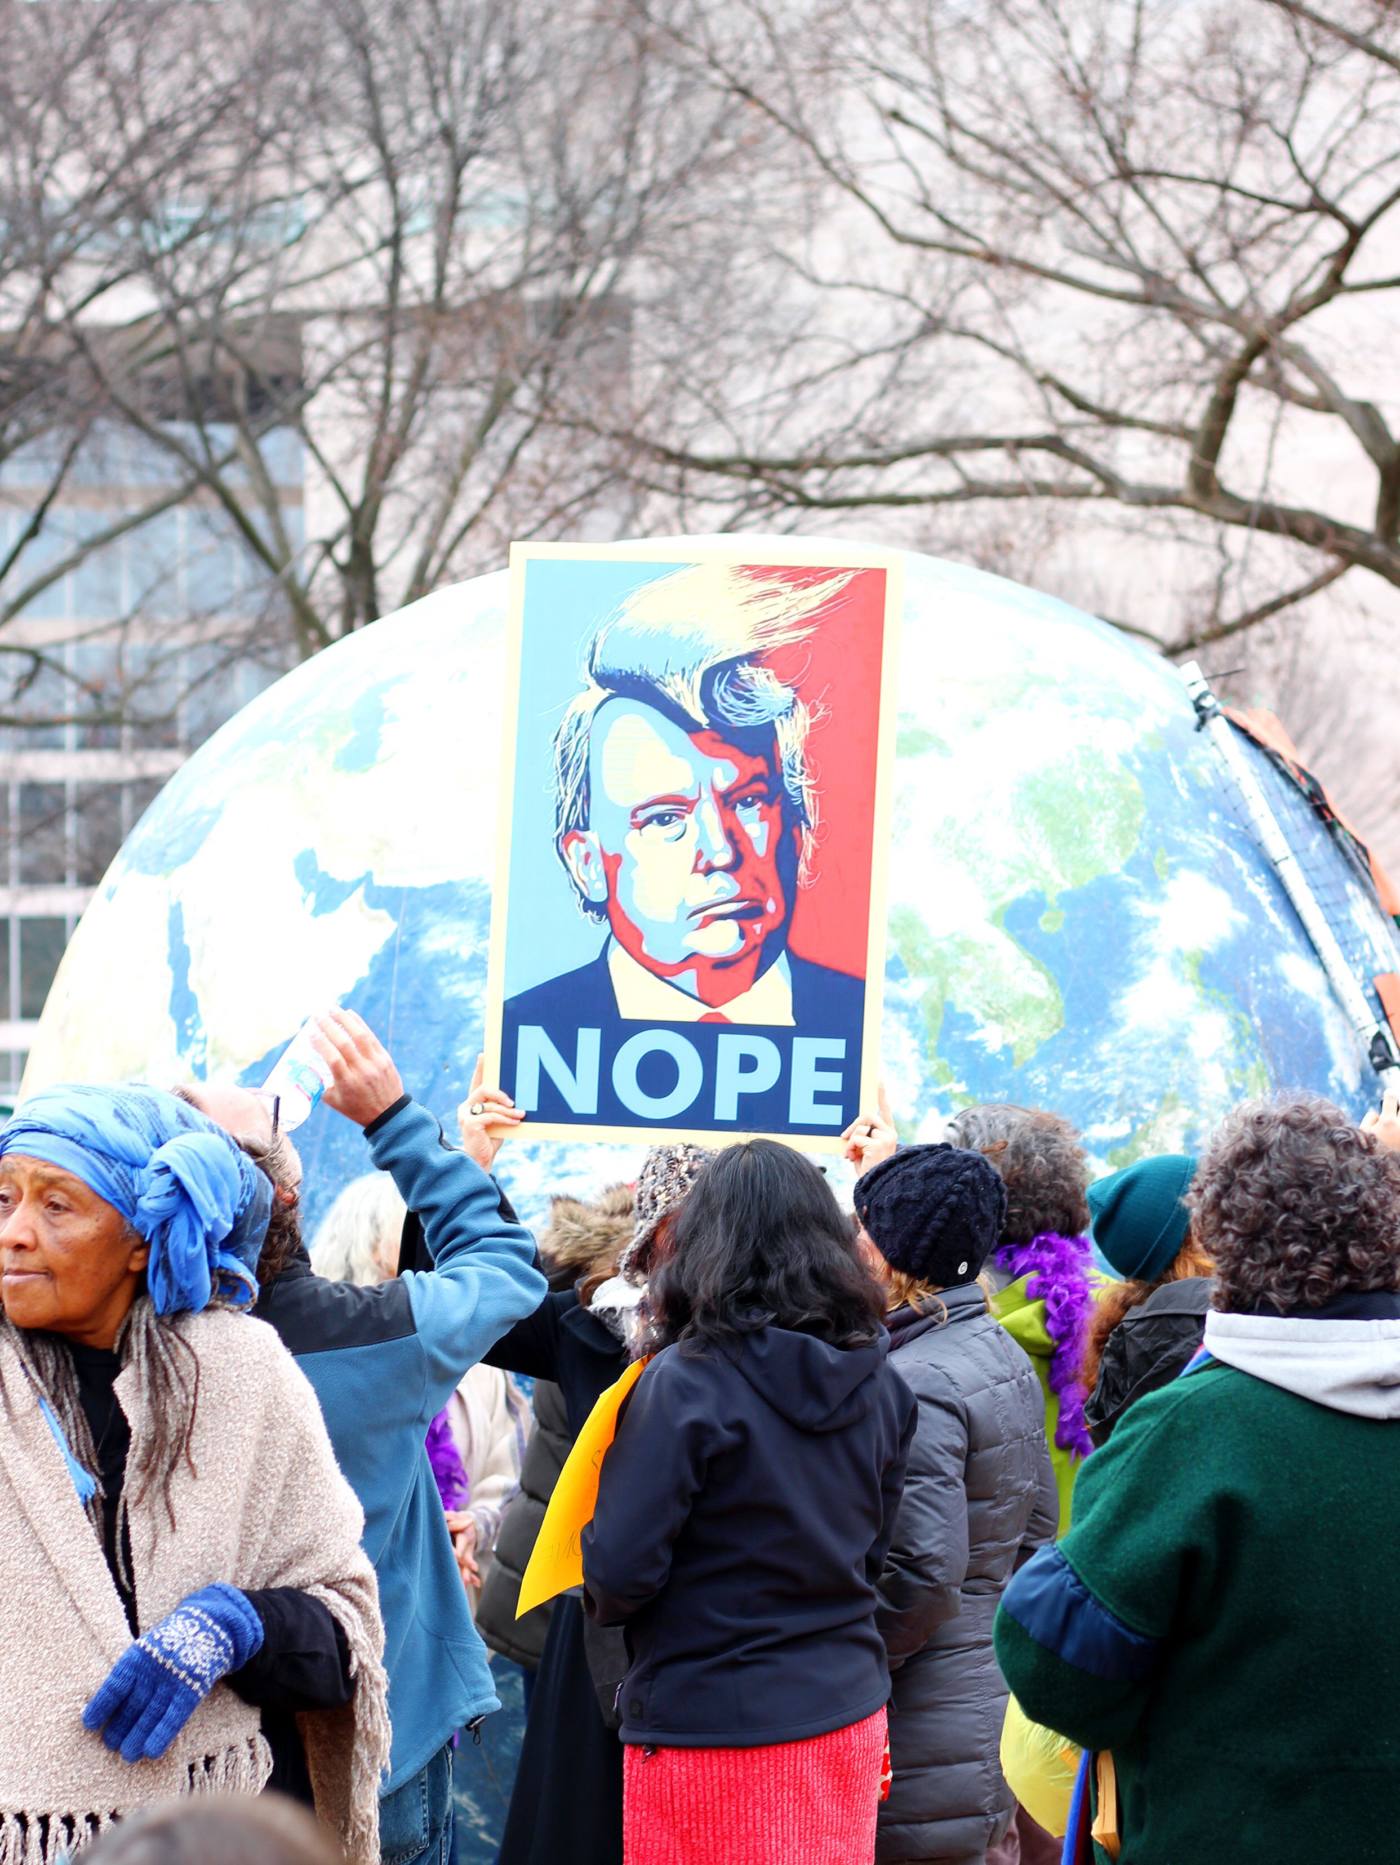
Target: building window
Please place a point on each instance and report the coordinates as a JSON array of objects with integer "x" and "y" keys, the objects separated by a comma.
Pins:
[
  {"x": 98, "y": 830},
  {"x": 139, "y": 797},
  {"x": 97, "y": 690},
  {"x": 43, "y": 835},
  {"x": 41, "y": 943},
  {"x": 118, "y": 646},
  {"x": 36, "y": 687}
]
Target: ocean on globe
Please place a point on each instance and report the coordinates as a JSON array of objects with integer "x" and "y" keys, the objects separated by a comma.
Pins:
[{"x": 1078, "y": 915}]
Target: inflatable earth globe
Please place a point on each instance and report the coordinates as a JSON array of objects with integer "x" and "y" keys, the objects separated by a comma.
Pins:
[{"x": 1079, "y": 915}]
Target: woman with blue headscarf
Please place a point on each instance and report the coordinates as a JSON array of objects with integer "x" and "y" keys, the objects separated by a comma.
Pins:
[{"x": 184, "y": 1603}]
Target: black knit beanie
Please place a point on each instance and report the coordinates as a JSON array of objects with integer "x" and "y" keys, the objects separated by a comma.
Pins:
[{"x": 934, "y": 1212}]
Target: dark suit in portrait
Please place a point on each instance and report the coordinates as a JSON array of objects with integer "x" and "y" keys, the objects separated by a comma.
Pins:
[{"x": 825, "y": 1004}]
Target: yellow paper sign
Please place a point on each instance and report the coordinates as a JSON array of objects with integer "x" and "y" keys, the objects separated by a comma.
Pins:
[{"x": 556, "y": 1562}]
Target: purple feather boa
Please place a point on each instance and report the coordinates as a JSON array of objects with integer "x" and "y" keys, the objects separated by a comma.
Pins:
[
  {"x": 449, "y": 1472},
  {"x": 1057, "y": 1273}
]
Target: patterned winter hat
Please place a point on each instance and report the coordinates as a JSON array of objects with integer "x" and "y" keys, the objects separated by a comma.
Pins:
[{"x": 665, "y": 1181}]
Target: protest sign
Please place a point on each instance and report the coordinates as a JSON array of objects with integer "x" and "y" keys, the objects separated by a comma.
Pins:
[{"x": 688, "y": 919}]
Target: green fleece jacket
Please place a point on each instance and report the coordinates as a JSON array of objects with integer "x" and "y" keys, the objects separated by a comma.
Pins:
[
  {"x": 1222, "y": 1617},
  {"x": 1024, "y": 1321}
]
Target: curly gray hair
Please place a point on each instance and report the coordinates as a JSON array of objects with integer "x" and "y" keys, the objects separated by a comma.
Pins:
[
  {"x": 1039, "y": 1156},
  {"x": 358, "y": 1240},
  {"x": 1296, "y": 1204}
]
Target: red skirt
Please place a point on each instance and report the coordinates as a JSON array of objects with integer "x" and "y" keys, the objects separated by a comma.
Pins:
[{"x": 792, "y": 1803}]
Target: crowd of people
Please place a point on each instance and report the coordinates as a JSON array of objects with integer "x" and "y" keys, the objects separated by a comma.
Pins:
[{"x": 1007, "y": 1514}]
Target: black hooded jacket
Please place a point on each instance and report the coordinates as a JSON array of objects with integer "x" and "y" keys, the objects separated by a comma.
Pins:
[{"x": 744, "y": 1513}]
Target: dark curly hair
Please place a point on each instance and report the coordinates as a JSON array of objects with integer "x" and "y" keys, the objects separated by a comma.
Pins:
[
  {"x": 1039, "y": 1156},
  {"x": 760, "y": 1242},
  {"x": 1295, "y": 1205}
]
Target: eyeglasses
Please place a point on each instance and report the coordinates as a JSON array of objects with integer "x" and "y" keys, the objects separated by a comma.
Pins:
[{"x": 273, "y": 1104}]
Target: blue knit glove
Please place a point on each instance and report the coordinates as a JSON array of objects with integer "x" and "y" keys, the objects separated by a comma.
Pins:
[{"x": 156, "y": 1684}]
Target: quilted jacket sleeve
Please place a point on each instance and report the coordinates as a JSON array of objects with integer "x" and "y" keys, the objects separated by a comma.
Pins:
[{"x": 927, "y": 1561}]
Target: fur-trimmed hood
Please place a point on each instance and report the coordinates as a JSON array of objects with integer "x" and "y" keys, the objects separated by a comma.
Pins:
[{"x": 587, "y": 1236}]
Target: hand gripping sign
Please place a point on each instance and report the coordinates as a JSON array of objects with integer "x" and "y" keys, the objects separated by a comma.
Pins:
[{"x": 688, "y": 923}]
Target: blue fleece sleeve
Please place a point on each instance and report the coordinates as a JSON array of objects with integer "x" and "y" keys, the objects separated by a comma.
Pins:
[
  {"x": 1071, "y": 1663},
  {"x": 485, "y": 1279}
]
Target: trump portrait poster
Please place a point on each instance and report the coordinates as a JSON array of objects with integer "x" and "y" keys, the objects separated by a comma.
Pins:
[{"x": 688, "y": 921}]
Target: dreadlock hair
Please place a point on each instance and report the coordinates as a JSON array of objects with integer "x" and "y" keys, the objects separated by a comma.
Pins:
[{"x": 167, "y": 1371}]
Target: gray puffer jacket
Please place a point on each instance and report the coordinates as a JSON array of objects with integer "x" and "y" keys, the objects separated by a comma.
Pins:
[{"x": 979, "y": 1499}]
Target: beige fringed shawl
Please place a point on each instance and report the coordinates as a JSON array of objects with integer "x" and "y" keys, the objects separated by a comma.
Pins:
[{"x": 267, "y": 1508}]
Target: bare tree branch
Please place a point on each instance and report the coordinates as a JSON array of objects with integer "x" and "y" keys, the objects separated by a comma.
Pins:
[
  {"x": 353, "y": 281},
  {"x": 1153, "y": 224}
]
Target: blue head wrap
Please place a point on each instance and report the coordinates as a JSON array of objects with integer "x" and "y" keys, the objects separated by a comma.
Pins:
[{"x": 180, "y": 1181}]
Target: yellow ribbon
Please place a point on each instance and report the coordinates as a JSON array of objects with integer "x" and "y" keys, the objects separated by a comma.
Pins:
[{"x": 556, "y": 1561}]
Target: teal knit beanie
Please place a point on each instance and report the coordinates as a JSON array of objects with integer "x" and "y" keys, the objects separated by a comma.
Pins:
[{"x": 1139, "y": 1218}]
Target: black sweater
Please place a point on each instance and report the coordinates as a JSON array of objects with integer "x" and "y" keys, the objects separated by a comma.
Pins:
[
  {"x": 566, "y": 1343},
  {"x": 304, "y": 1661}
]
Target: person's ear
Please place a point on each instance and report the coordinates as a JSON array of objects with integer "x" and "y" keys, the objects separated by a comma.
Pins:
[
  {"x": 139, "y": 1257},
  {"x": 583, "y": 857},
  {"x": 287, "y": 1195}
]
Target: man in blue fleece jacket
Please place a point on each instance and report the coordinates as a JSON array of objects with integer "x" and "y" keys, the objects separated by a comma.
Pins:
[{"x": 384, "y": 1361}]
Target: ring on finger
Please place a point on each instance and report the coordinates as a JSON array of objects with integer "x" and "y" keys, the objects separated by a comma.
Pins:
[{"x": 476, "y": 1110}]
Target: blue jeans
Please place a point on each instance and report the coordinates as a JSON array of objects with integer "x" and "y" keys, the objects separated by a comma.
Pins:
[{"x": 415, "y": 1821}]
